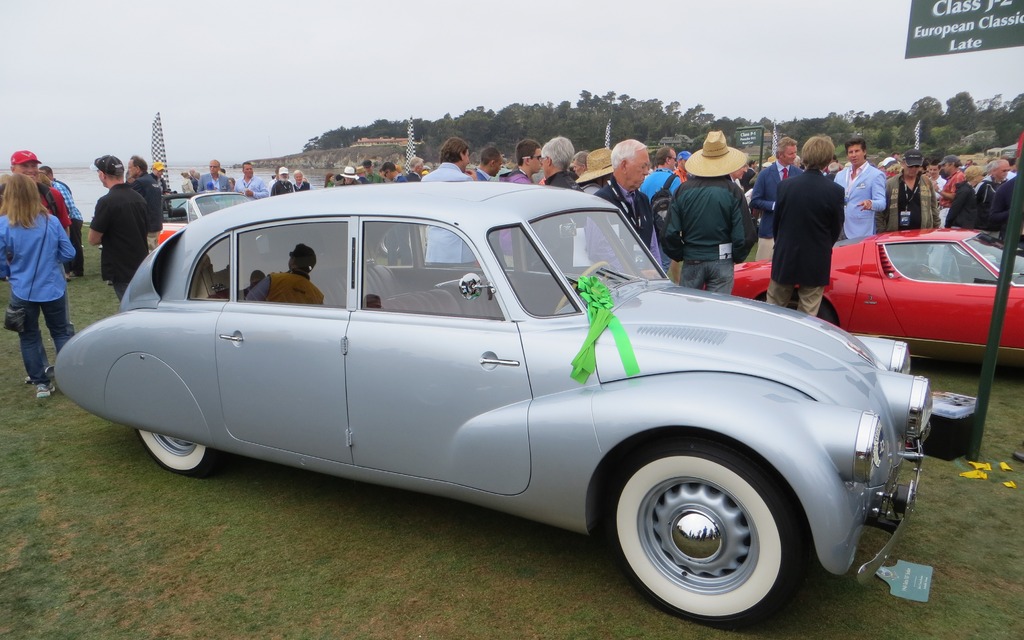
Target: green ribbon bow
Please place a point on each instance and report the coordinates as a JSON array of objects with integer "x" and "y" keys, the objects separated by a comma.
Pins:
[{"x": 599, "y": 306}]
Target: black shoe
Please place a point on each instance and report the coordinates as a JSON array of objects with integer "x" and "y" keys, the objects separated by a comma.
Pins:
[{"x": 1018, "y": 455}]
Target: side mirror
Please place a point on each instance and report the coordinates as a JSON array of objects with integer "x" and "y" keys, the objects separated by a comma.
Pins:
[{"x": 471, "y": 286}]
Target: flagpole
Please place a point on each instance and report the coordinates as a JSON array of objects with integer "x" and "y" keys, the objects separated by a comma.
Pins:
[{"x": 158, "y": 151}]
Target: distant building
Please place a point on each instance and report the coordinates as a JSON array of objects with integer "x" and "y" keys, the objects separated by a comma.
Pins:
[
  {"x": 381, "y": 142},
  {"x": 678, "y": 140}
]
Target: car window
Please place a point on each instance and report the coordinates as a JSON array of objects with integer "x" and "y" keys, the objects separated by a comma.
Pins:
[
  {"x": 300, "y": 263},
  {"x": 175, "y": 209},
  {"x": 937, "y": 262},
  {"x": 211, "y": 279},
  {"x": 536, "y": 287},
  {"x": 991, "y": 250},
  {"x": 417, "y": 268}
]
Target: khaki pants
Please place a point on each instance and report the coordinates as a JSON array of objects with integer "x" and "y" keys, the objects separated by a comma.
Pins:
[
  {"x": 765, "y": 248},
  {"x": 152, "y": 239},
  {"x": 810, "y": 297}
]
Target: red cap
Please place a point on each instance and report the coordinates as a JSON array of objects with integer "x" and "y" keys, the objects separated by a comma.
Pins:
[{"x": 23, "y": 157}]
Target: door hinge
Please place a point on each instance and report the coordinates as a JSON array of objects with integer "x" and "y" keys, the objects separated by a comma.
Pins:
[
  {"x": 344, "y": 346},
  {"x": 348, "y": 438}
]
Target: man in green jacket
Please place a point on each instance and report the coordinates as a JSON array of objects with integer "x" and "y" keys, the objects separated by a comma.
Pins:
[{"x": 705, "y": 228}]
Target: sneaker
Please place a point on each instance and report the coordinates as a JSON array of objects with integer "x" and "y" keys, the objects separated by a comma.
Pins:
[
  {"x": 44, "y": 390},
  {"x": 28, "y": 379}
]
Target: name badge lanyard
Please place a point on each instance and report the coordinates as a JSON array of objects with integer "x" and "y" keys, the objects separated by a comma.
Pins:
[{"x": 626, "y": 208}]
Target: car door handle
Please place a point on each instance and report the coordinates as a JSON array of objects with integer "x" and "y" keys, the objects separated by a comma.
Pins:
[
  {"x": 499, "y": 361},
  {"x": 236, "y": 337}
]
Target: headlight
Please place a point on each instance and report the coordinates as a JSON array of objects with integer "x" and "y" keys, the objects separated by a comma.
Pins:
[
  {"x": 920, "y": 407},
  {"x": 900, "y": 360},
  {"x": 870, "y": 447}
]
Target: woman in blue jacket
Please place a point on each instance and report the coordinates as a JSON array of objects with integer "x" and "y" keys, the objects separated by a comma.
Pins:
[{"x": 33, "y": 249}]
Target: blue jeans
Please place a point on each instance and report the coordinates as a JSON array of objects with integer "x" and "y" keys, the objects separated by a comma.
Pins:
[
  {"x": 714, "y": 275},
  {"x": 33, "y": 353}
]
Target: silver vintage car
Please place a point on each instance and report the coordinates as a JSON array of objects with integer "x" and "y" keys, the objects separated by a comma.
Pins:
[{"x": 517, "y": 347}]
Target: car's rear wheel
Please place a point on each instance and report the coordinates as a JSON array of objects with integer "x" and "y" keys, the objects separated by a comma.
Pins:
[
  {"x": 705, "y": 533},
  {"x": 180, "y": 456}
]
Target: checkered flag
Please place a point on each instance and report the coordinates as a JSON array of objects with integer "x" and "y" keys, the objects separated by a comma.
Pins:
[
  {"x": 917, "y": 135},
  {"x": 775, "y": 139},
  {"x": 158, "y": 152},
  {"x": 410, "y": 146},
  {"x": 608, "y": 135}
]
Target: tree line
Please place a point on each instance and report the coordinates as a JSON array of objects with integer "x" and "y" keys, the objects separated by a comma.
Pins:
[{"x": 964, "y": 126}]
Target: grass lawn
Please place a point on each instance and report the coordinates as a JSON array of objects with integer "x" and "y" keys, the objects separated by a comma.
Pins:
[{"x": 96, "y": 541}]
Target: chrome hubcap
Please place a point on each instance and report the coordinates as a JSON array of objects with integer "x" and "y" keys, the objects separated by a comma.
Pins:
[{"x": 697, "y": 535}]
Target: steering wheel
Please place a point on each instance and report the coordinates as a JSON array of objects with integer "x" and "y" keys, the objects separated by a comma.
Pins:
[{"x": 589, "y": 270}]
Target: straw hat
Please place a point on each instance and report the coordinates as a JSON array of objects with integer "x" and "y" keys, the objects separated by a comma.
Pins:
[
  {"x": 599, "y": 163},
  {"x": 716, "y": 158}
]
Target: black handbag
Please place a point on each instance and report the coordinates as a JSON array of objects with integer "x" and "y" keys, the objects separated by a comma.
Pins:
[{"x": 14, "y": 318}]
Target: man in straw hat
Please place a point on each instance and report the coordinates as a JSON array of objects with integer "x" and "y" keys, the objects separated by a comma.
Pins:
[
  {"x": 809, "y": 217},
  {"x": 599, "y": 167},
  {"x": 705, "y": 227}
]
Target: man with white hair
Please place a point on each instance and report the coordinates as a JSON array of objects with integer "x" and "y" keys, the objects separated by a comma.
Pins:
[
  {"x": 995, "y": 175},
  {"x": 630, "y": 164},
  {"x": 415, "y": 170},
  {"x": 555, "y": 158}
]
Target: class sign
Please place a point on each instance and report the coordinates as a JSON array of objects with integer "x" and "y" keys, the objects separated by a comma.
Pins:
[{"x": 941, "y": 27}]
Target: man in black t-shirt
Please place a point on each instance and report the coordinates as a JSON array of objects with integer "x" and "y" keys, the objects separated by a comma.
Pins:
[{"x": 120, "y": 225}]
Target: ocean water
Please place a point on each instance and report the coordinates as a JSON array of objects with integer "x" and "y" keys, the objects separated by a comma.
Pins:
[{"x": 86, "y": 188}]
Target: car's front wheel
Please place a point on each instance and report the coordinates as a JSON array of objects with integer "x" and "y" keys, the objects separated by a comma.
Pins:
[
  {"x": 180, "y": 456},
  {"x": 705, "y": 533}
]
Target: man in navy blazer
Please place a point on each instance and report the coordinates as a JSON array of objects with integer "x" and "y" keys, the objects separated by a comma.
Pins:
[
  {"x": 766, "y": 190},
  {"x": 213, "y": 181},
  {"x": 808, "y": 222}
]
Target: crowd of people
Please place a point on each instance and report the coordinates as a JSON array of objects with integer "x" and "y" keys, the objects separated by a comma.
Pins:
[{"x": 699, "y": 213}]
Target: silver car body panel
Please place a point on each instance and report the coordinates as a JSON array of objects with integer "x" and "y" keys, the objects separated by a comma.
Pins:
[{"x": 415, "y": 401}]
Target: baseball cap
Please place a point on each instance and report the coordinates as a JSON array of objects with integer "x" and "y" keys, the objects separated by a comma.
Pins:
[
  {"x": 685, "y": 155},
  {"x": 282, "y": 171},
  {"x": 913, "y": 158},
  {"x": 951, "y": 159},
  {"x": 109, "y": 165},
  {"x": 158, "y": 166},
  {"x": 23, "y": 157}
]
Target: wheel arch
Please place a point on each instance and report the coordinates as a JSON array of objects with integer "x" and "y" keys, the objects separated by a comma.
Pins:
[
  {"x": 788, "y": 435},
  {"x": 601, "y": 482}
]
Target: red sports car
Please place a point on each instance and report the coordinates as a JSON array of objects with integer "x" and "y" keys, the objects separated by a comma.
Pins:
[{"x": 934, "y": 289}]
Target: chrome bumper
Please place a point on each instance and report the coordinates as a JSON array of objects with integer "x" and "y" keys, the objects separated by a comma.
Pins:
[{"x": 902, "y": 493}]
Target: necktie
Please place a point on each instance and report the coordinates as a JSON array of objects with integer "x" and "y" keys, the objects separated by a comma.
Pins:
[{"x": 785, "y": 172}]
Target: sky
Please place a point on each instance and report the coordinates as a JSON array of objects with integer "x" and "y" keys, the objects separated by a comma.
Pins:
[{"x": 241, "y": 80}]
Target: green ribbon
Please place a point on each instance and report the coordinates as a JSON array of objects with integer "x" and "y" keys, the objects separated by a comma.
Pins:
[{"x": 599, "y": 306}]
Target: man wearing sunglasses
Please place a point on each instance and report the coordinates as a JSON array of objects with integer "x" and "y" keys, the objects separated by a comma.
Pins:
[
  {"x": 528, "y": 158},
  {"x": 213, "y": 181}
]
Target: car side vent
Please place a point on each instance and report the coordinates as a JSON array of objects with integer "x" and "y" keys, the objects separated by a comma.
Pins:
[
  {"x": 687, "y": 334},
  {"x": 883, "y": 259}
]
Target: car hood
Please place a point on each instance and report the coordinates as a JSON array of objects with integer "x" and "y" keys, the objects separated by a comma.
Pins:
[{"x": 674, "y": 329}]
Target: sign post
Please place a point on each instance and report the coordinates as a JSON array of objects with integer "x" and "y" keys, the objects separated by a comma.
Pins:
[
  {"x": 943, "y": 27},
  {"x": 1006, "y": 268},
  {"x": 749, "y": 137}
]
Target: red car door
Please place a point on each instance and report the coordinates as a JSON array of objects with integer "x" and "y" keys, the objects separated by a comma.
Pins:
[{"x": 938, "y": 291}]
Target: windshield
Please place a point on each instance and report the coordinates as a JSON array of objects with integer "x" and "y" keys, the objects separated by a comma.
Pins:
[
  {"x": 211, "y": 203},
  {"x": 597, "y": 243},
  {"x": 991, "y": 251}
]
